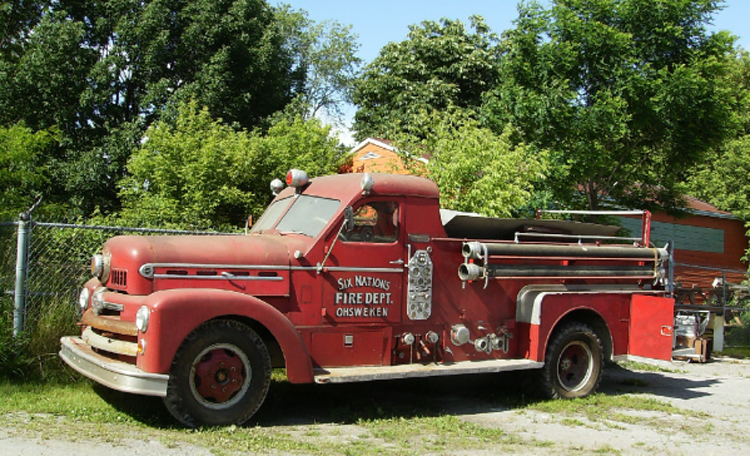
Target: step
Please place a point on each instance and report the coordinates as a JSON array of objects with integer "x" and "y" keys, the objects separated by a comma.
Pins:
[{"x": 369, "y": 373}]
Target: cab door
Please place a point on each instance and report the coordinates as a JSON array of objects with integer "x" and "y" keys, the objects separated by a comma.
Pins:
[{"x": 362, "y": 295}]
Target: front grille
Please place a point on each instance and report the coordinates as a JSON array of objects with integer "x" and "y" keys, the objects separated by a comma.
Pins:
[{"x": 118, "y": 278}]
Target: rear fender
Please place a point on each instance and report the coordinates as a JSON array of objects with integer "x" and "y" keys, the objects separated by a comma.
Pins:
[
  {"x": 539, "y": 309},
  {"x": 176, "y": 313}
]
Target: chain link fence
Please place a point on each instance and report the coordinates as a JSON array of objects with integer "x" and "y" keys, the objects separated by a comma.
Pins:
[{"x": 57, "y": 263}]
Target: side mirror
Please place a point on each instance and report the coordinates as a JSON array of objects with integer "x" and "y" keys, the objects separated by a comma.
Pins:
[
  {"x": 348, "y": 225},
  {"x": 348, "y": 218}
]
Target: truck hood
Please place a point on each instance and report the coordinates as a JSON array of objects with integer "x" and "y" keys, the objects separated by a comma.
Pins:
[{"x": 143, "y": 264}]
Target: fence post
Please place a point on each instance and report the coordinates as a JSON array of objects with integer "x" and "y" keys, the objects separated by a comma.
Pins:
[
  {"x": 22, "y": 260},
  {"x": 22, "y": 266}
]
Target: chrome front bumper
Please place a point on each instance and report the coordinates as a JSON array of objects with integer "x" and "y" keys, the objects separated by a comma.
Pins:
[{"x": 111, "y": 373}]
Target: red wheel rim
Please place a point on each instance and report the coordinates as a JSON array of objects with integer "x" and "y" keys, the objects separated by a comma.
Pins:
[
  {"x": 220, "y": 376},
  {"x": 575, "y": 366}
]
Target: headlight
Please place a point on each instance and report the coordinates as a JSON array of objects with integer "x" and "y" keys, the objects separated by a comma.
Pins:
[
  {"x": 97, "y": 265},
  {"x": 100, "y": 265},
  {"x": 83, "y": 300},
  {"x": 141, "y": 319}
]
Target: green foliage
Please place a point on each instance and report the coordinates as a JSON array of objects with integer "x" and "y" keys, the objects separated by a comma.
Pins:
[
  {"x": 16, "y": 21},
  {"x": 200, "y": 173},
  {"x": 476, "y": 170},
  {"x": 326, "y": 53},
  {"x": 724, "y": 178},
  {"x": 103, "y": 71},
  {"x": 195, "y": 172},
  {"x": 22, "y": 174},
  {"x": 739, "y": 334},
  {"x": 32, "y": 355},
  {"x": 440, "y": 64},
  {"x": 626, "y": 94},
  {"x": 292, "y": 143}
]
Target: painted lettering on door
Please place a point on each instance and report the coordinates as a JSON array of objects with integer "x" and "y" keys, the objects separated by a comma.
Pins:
[{"x": 350, "y": 302}]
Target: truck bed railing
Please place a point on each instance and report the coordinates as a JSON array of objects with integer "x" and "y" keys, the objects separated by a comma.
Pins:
[
  {"x": 574, "y": 237},
  {"x": 645, "y": 220}
]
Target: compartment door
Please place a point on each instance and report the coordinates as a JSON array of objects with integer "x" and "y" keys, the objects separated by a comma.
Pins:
[{"x": 651, "y": 327}]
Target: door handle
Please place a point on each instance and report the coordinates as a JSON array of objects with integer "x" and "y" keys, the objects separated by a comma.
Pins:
[{"x": 399, "y": 261}]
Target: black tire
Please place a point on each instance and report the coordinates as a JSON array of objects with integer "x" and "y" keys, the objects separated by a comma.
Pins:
[
  {"x": 220, "y": 375},
  {"x": 572, "y": 363}
]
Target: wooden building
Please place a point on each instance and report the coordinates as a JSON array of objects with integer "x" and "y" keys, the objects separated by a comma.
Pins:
[
  {"x": 704, "y": 237},
  {"x": 375, "y": 155}
]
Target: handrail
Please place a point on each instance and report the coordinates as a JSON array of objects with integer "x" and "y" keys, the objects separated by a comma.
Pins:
[
  {"x": 645, "y": 219},
  {"x": 573, "y": 236}
]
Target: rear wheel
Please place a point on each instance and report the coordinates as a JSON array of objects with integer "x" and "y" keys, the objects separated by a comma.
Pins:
[
  {"x": 572, "y": 364},
  {"x": 220, "y": 375}
]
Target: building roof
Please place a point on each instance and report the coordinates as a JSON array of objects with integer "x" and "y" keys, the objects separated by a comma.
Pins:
[
  {"x": 698, "y": 207},
  {"x": 385, "y": 144}
]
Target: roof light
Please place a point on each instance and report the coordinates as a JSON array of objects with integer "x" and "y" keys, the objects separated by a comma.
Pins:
[
  {"x": 367, "y": 183},
  {"x": 297, "y": 178},
  {"x": 276, "y": 186}
]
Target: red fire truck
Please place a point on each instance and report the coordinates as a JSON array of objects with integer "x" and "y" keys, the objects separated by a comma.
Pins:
[{"x": 356, "y": 277}]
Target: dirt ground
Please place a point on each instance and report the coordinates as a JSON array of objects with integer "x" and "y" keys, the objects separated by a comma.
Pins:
[
  {"x": 719, "y": 391},
  {"x": 713, "y": 399}
]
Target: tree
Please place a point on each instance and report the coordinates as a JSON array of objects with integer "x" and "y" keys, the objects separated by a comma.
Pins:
[
  {"x": 292, "y": 143},
  {"x": 626, "y": 94},
  {"x": 22, "y": 175},
  {"x": 440, "y": 64},
  {"x": 104, "y": 70},
  {"x": 723, "y": 179},
  {"x": 17, "y": 18},
  {"x": 475, "y": 170},
  {"x": 201, "y": 173},
  {"x": 174, "y": 177},
  {"x": 326, "y": 54}
]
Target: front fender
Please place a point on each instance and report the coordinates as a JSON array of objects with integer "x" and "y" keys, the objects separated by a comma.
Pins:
[{"x": 176, "y": 313}]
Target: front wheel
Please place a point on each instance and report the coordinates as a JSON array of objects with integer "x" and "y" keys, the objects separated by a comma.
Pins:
[
  {"x": 220, "y": 375},
  {"x": 572, "y": 364}
]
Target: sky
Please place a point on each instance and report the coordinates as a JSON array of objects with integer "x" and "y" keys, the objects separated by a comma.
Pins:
[{"x": 379, "y": 22}]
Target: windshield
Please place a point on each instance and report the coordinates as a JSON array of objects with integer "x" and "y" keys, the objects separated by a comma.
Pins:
[
  {"x": 271, "y": 215},
  {"x": 308, "y": 215}
]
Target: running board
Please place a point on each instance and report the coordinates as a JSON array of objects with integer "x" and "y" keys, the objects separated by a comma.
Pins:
[{"x": 364, "y": 374}]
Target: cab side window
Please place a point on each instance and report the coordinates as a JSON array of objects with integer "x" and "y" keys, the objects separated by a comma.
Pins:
[{"x": 375, "y": 222}]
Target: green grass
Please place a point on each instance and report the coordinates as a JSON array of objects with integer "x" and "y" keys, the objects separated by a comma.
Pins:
[
  {"x": 615, "y": 412},
  {"x": 735, "y": 352},
  {"x": 51, "y": 408},
  {"x": 645, "y": 367},
  {"x": 400, "y": 417}
]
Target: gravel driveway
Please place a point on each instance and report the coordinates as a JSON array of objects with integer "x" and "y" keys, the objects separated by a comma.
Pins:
[{"x": 717, "y": 392}]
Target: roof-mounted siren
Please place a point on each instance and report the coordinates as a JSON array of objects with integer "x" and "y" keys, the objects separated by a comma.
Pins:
[
  {"x": 367, "y": 184},
  {"x": 276, "y": 186},
  {"x": 297, "y": 178}
]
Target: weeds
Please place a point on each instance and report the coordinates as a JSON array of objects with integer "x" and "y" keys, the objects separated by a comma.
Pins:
[
  {"x": 735, "y": 352},
  {"x": 32, "y": 355}
]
